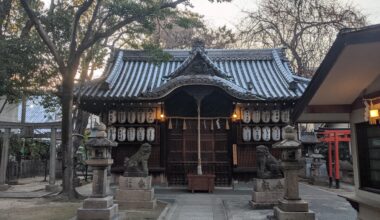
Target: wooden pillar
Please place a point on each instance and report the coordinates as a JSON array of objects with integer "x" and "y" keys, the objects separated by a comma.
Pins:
[
  {"x": 4, "y": 159},
  {"x": 199, "y": 167},
  {"x": 330, "y": 163},
  {"x": 337, "y": 169}
]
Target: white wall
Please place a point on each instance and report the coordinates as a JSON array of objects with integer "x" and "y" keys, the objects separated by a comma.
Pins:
[{"x": 10, "y": 111}]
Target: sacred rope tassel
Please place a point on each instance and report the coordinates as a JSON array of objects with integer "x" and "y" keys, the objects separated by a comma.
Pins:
[
  {"x": 227, "y": 125},
  {"x": 184, "y": 124},
  {"x": 217, "y": 124},
  {"x": 212, "y": 125},
  {"x": 170, "y": 126},
  {"x": 204, "y": 124}
]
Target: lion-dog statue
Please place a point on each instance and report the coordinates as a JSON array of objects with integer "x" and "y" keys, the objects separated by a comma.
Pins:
[
  {"x": 268, "y": 166},
  {"x": 137, "y": 165}
]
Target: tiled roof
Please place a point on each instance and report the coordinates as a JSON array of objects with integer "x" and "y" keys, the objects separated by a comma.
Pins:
[{"x": 262, "y": 74}]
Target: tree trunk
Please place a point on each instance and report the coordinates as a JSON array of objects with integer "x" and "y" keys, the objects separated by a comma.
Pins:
[{"x": 68, "y": 188}]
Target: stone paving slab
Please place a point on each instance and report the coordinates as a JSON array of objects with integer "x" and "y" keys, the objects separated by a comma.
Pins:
[{"x": 25, "y": 195}]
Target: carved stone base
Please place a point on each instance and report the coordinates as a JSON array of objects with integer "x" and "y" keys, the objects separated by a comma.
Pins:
[
  {"x": 283, "y": 215},
  {"x": 98, "y": 208},
  {"x": 4, "y": 187},
  {"x": 266, "y": 193},
  {"x": 135, "y": 193}
]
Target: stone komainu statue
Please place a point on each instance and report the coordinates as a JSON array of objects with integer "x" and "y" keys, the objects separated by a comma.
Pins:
[
  {"x": 137, "y": 165},
  {"x": 267, "y": 165}
]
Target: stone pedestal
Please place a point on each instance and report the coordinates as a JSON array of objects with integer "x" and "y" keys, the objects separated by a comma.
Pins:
[
  {"x": 98, "y": 208},
  {"x": 291, "y": 206},
  {"x": 135, "y": 193},
  {"x": 266, "y": 193},
  {"x": 100, "y": 204}
]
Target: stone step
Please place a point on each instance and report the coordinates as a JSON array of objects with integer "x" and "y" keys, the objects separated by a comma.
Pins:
[{"x": 136, "y": 204}]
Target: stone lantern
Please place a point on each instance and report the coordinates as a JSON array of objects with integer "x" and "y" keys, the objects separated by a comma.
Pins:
[
  {"x": 100, "y": 204},
  {"x": 291, "y": 206}
]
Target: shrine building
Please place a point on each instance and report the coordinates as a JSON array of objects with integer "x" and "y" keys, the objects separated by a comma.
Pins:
[{"x": 219, "y": 101}]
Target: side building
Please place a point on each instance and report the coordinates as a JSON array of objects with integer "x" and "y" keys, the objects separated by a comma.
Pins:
[{"x": 238, "y": 98}]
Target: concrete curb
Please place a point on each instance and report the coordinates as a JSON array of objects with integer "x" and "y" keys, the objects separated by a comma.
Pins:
[{"x": 168, "y": 212}]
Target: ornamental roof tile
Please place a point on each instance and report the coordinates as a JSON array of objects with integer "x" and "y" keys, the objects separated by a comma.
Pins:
[{"x": 259, "y": 74}]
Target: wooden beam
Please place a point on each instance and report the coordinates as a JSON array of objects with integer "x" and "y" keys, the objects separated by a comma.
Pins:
[{"x": 328, "y": 109}]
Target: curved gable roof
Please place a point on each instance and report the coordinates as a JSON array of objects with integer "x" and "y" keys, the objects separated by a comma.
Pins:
[{"x": 262, "y": 74}]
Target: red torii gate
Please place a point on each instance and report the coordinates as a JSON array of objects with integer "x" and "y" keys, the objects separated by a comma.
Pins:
[{"x": 334, "y": 136}]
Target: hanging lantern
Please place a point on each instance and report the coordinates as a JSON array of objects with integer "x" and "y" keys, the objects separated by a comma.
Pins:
[
  {"x": 246, "y": 134},
  {"x": 121, "y": 133},
  {"x": 140, "y": 134},
  {"x": 150, "y": 134},
  {"x": 256, "y": 116},
  {"x": 373, "y": 114},
  {"x": 131, "y": 134},
  {"x": 122, "y": 116},
  {"x": 112, "y": 116},
  {"x": 170, "y": 125},
  {"x": 150, "y": 115},
  {"x": 256, "y": 131},
  {"x": 131, "y": 115},
  {"x": 246, "y": 115},
  {"x": 140, "y": 116}
]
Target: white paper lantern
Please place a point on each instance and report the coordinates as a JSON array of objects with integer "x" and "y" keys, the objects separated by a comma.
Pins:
[
  {"x": 111, "y": 132},
  {"x": 121, "y": 134},
  {"x": 276, "y": 133},
  {"x": 121, "y": 116},
  {"x": 131, "y": 116},
  {"x": 265, "y": 116},
  {"x": 275, "y": 116},
  {"x": 140, "y": 134},
  {"x": 256, "y": 116},
  {"x": 140, "y": 116},
  {"x": 266, "y": 132},
  {"x": 150, "y": 134},
  {"x": 246, "y": 134},
  {"x": 256, "y": 132},
  {"x": 285, "y": 116},
  {"x": 246, "y": 115},
  {"x": 131, "y": 134},
  {"x": 150, "y": 115},
  {"x": 112, "y": 116}
]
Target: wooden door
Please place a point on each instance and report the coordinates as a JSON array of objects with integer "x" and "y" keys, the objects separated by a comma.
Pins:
[{"x": 182, "y": 152}]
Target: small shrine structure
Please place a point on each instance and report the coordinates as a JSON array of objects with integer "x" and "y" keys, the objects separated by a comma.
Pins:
[{"x": 204, "y": 111}]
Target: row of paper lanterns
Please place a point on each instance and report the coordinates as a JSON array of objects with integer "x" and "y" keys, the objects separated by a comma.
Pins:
[
  {"x": 131, "y": 134},
  {"x": 140, "y": 115},
  {"x": 265, "y": 133},
  {"x": 265, "y": 116}
]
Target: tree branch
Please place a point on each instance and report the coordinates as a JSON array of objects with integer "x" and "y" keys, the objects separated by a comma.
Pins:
[{"x": 44, "y": 35}]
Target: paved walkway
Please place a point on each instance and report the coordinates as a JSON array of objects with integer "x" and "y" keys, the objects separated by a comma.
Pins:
[{"x": 233, "y": 205}]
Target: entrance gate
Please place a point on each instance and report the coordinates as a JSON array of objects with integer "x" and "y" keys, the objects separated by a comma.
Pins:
[{"x": 182, "y": 151}]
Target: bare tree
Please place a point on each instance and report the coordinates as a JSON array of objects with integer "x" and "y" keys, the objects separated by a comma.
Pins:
[
  {"x": 306, "y": 27},
  {"x": 70, "y": 29},
  {"x": 171, "y": 33}
]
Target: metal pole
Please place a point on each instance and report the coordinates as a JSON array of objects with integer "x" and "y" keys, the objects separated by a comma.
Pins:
[
  {"x": 4, "y": 159},
  {"x": 199, "y": 168},
  {"x": 52, "y": 156}
]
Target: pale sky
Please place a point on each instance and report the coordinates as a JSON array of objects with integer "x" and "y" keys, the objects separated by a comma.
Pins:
[{"x": 218, "y": 14}]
